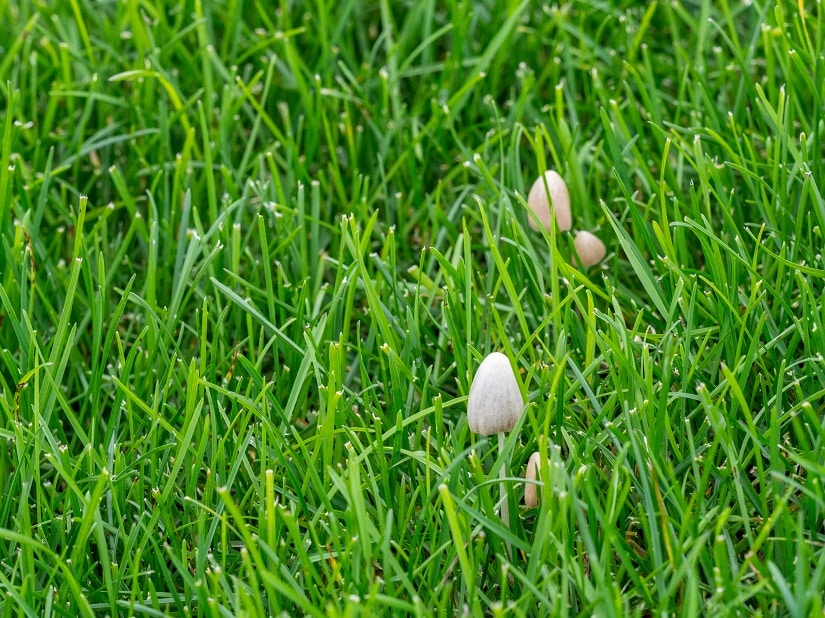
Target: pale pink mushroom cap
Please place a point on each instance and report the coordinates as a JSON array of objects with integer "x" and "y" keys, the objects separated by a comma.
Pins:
[
  {"x": 539, "y": 203},
  {"x": 591, "y": 250},
  {"x": 531, "y": 498}
]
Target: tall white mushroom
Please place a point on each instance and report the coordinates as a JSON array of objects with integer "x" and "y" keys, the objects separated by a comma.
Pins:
[
  {"x": 494, "y": 407},
  {"x": 549, "y": 188}
]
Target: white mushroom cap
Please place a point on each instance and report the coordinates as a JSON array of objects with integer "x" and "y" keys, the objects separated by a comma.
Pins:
[
  {"x": 539, "y": 202},
  {"x": 531, "y": 498},
  {"x": 495, "y": 402},
  {"x": 591, "y": 250}
]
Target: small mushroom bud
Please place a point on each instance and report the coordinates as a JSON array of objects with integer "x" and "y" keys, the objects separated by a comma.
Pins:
[
  {"x": 591, "y": 250},
  {"x": 531, "y": 498},
  {"x": 539, "y": 201},
  {"x": 495, "y": 402}
]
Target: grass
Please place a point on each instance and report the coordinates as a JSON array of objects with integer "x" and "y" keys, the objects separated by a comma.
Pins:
[{"x": 250, "y": 259}]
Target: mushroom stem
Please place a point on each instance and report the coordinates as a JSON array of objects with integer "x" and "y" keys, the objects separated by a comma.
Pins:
[{"x": 505, "y": 503}]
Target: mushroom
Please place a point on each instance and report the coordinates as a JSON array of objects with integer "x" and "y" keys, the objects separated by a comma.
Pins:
[
  {"x": 539, "y": 201},
  {"x": 531, "y": 498},
  {"x": 591, "y": 250},
  {"x": 494, "y": 407},
  {"x": 495, "y": 402}
]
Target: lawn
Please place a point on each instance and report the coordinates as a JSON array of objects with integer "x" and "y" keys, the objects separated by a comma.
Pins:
[{"x": 252, "y": 257}]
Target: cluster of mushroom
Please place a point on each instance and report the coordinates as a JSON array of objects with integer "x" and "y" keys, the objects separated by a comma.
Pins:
[
  {"x": 494, "y": 407},
  {"x": 495, "y": 403},
  {"x": 549, "y": 188}
]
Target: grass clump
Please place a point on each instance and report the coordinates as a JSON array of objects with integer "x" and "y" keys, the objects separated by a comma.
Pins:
[{"x": 251, "y": 258}]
